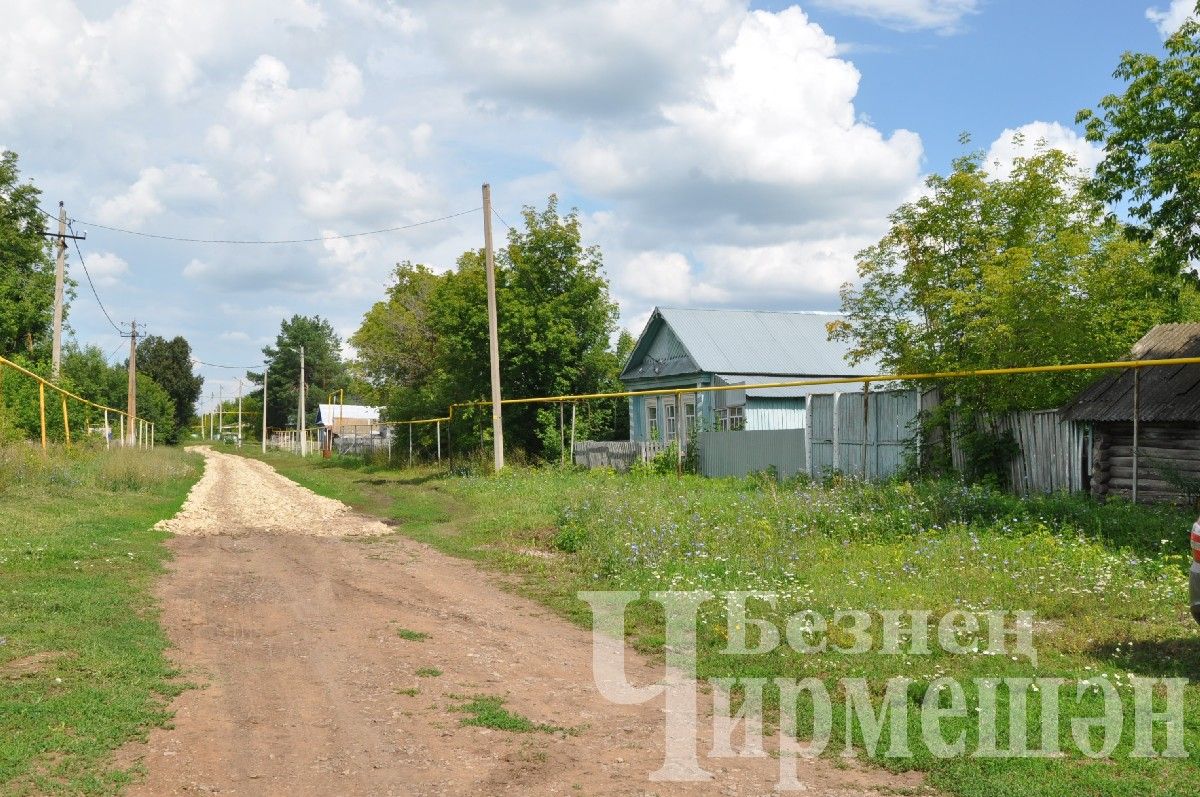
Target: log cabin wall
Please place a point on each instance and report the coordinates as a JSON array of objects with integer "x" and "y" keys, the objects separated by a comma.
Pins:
[{"x": 1168, "y": 461}]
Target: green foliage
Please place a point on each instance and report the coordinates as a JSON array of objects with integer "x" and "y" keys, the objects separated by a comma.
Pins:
[
  {"x": 1151, "y": 139},
  {"x": 324, "y": 369},
  {"x": 78, "y": 560},
  {"x": 426, "y": 345},
  {"x": 487, "y": 711},
  {"x": 26, "y": 266},
  {"x": 1107, "y": 584},
  {"x": 169, "y": 363},
  {"x": 993, "y": 273}
]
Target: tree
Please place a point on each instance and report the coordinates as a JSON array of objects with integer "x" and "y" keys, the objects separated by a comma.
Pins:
[
  {"x": 984, "y": 273},
  {"x": 396, "y": 345},
  {"x": 324, "y": 370},
  {"x": 1151, "y": 138},
  {"x": 555, "y": 320},
  {"x": 169, "y": 363},
  {"x": 26, "y": 267}
]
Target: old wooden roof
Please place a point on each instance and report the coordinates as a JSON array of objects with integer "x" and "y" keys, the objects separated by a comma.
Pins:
[{"x": 1168, "y": 393}]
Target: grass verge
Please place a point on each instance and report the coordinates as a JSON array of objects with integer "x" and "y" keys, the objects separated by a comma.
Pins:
[
  {"x": 1106, "y": 584},
  {"x": 82, "y": 669}
]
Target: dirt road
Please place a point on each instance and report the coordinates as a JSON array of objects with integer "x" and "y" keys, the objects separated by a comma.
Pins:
[{"x": 289, "y": 618}]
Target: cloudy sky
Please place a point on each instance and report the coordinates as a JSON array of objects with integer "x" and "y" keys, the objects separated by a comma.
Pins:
[{"x": 721, "y": 153}]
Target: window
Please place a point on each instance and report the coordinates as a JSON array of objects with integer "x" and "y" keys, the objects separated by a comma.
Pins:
[
  {"x": 737, "y": 418},
  {"x": 689, "y": 416},
  {"x": 670, "y": 408},
  {"x": 652, "y": 419}
]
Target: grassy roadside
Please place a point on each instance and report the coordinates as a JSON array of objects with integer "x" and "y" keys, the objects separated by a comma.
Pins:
[
  {"x": 1107, "y": 585},
  {"x": 82, "y": 669}
]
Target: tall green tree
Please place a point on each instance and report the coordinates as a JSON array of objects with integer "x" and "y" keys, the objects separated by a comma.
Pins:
[
  {"x": 990, "y": 273},
  {"x": 1151, "y": 139},
  {"x": 396, "y": 345},
  {"x": 324, "y": 369},
  {"x": 169, "y": 363},
  {"x": 555, "y": 319},
  {"x": 26, "y": 267}
]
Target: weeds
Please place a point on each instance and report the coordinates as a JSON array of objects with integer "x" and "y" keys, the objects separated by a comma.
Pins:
[
  {"x": 487, "y": 711},
  {"x": 412, "y": 636},
  {"x": 429, "y": 672}
]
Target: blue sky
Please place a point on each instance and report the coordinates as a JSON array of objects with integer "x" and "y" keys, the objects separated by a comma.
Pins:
[{"x": 722, "y": 154}]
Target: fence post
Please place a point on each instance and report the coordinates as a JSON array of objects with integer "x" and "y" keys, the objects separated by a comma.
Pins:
[
  {"x": 152, "y": 435},
  {"x": 1136, "y": 414},
  {"x": 124, "y": 440},
  {"x": 107, "y": 432},
  {"x": 439, "y": 440},
  {"x": 679, "y": 434},
  {"x": 866, "y": 421},
  {"x": 572, "y": 456},
  {"x": 410, "y": 444},
  {"x": 66, "y": 422},
  {"x": 42, "y": 406}
]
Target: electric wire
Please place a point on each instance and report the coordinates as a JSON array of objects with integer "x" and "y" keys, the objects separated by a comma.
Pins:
[
  {"x": 277, "y": 241},
  {"x": 92, "y": 284}
]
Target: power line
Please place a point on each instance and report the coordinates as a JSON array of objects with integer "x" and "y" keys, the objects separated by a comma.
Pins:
[
  {"x": 91, "y": 284},
  {"x": 502, "y": 221},
  {"x": 230, "y": 367},
  {"x": 280, "y": 241}
]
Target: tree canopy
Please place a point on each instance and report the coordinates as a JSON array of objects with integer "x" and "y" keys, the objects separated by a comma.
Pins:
[
  {"x": 990, "y": 273},
  {"x": 324, "y": 369},
  {"x": 169, "y": 363},
  {"x": 1151, "y": 139},
  {"x": 426, "y": 345},
  {"x": 26, "y": 267}
]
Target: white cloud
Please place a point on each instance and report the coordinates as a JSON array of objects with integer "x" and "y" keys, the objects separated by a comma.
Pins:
[
  {"x": 52, "y": 53},
  {"x": 107, "y": 269},
  {"x": 266, "y": 98},
  {"x": 1171, "y": 18},
  {"x": 943, "y": 16},
  {"x": 587, "y": 58},
  {"x": 1028, "y": 139},
  {"x": 184, "y": 183}
]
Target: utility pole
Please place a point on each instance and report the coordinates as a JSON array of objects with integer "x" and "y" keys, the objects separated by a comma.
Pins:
[
  {"x": 239, "y": 440},
  {"x": 60, "y": 278},
  {"x": 220, "y": 413},
  {"x": 300, "y": 409},
  {"x": 264, "y": 415},
  {"x": 493, "y": 334},
  {"x": 131, "y": 405}
]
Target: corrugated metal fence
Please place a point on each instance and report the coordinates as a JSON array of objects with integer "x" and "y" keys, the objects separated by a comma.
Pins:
[{"x": 1052, "y": 452}]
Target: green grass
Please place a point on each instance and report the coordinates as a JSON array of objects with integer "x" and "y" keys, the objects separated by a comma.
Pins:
[
  {"x": 487, "y": 711},
  {"x": 1107, "y": 584},
  {"x": 412, "y": 636},
  {"x": 411, "y": 691},
  {"x": 429, "y": 672},
  {"x": 82, "y": 669}
]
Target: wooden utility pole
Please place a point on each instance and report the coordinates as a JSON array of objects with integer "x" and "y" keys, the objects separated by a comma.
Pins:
[
  {"x": 131, "y": 405},
  {"x": 300, "y": 417},
  {"x": 239, "y": 440},
  {"x": 493, "y": 333},
  {"x": 264, "y": 415},
  {"x": 220, "y": 413}
]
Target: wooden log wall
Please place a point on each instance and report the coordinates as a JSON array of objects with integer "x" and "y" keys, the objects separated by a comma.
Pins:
[{"x": 1168, "y": 462}]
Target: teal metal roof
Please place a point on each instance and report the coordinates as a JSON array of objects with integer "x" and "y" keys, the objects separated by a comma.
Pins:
[{"x": 751, "y": 342}]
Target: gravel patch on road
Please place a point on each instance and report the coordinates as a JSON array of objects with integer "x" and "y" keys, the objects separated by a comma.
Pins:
[{"x": 237, "y": 495}]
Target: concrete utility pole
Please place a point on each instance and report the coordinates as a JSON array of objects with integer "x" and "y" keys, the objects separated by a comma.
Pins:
[
  {"x": 493, "y": 334},
  {"x": 300, "y": 409},
  {"x": 220, "y": 413},
  {"x": 60, "y": 276},
  {"x": 264, "y": 415},
  {"x": 131, "y": 405}
]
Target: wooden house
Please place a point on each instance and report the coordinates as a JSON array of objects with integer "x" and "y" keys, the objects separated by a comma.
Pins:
[
  {"x": 683, "y": 348},
  {"x": 1164, "y": 462}
]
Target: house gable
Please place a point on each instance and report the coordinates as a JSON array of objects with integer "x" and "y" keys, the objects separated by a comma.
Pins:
[{"x": 659, "y": 354}]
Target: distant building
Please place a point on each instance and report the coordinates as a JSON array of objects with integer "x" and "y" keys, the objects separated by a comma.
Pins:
[
  {"x": 682, "y": 348},
  {"x": 1168, "y": 447}
]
